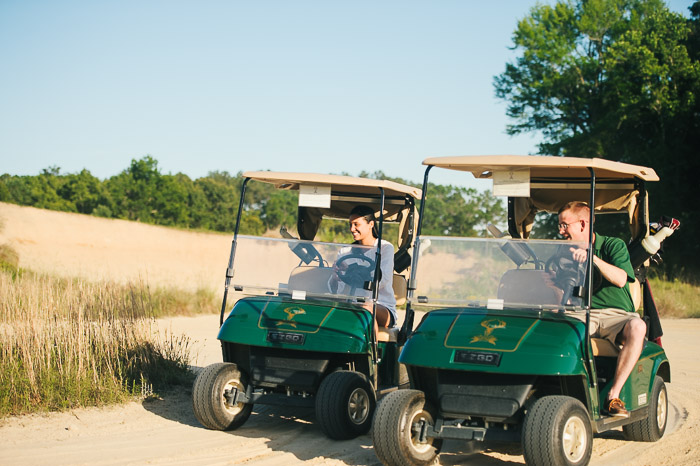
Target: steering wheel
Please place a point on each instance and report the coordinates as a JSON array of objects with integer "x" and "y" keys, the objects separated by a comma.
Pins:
[
  {"x": 567, "y": 272},
  {"x": 356, "y": 274}
]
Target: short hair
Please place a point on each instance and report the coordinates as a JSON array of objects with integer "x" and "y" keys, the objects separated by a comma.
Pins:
[{"x": 577, "y": 207}]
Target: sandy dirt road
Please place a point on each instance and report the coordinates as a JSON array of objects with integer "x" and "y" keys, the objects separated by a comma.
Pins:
[{"x": 165, "y": 431}]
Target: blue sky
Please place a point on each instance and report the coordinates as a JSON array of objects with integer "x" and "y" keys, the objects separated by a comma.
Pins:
[{"x": 321, "y": 86}]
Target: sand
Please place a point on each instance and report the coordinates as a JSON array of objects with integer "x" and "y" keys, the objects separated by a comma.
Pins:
[
  {"x": 75, "y": 245},
  {"x": 165, "y": 431}
]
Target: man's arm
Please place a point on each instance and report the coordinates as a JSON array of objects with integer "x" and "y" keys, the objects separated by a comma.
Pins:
[{"x": 611, "y": 273}]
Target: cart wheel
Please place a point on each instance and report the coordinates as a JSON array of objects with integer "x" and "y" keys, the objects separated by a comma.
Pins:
[
  {"x": 344, "y": 405},
  {"x": 651, "y": 428},
  {"x": 557, "y": 432},
  {"x": 210, "y": 393},
  {"x": 399, "y": 423}
]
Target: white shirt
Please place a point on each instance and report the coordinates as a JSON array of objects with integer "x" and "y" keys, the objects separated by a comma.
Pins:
[{"x": 385, "y": 295}]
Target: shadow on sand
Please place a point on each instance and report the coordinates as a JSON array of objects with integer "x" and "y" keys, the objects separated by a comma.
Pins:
[{"x": 294, "y": 430}]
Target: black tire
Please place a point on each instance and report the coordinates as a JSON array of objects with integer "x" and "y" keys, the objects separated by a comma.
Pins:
[
  {"x": 653, "y": 427},
  {"x": 211, "y": 387},
  {"x": 557, "y": 432},
  {"x": 345, "y": 404},
  {"x": 395, "y": 435}
]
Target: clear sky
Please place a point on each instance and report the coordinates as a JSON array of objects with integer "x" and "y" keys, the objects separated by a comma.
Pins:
[{"x": 294, "y": 85}]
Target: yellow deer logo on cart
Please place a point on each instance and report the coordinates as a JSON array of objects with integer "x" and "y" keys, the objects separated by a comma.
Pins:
[
  {"x": 291, "y": 312},
  {"x": 490, "y": 326}
]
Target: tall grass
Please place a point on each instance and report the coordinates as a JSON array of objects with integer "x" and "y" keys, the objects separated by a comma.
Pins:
[
  {"x": 67, "y": 343},
  {"x": 676, "y": 298},
  {"x": 177, "y": 302}
]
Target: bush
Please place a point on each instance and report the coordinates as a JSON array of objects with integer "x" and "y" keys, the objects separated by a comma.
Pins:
[{"x": 9, "y": 260}]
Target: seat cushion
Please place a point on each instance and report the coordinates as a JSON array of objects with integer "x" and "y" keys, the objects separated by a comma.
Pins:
[
  {"x": 400, "y": 289},
  {"x": 310, "y": 279},
  {"x": 387, "y": 334},
  {"x": 602, "y": 347}
]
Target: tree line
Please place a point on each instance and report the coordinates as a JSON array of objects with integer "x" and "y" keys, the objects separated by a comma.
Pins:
[
  {"x": 618, "y": 80},
  {"x": 143, "y": 193}
]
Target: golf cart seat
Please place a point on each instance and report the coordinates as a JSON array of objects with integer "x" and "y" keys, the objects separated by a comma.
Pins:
[
  {"x": 387, "y": 334},
  {"x": 314, "y": 279},
  {"x": 400, "y": 286},
  {"x": 529, "y": 286},
  {"x": 603, "y": 347},
  {"x": 311, "y": 279},
  {"x": 636, "y": 292}
]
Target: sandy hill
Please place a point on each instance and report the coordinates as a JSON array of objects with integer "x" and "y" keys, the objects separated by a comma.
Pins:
[{"x": 93, "y": 248}]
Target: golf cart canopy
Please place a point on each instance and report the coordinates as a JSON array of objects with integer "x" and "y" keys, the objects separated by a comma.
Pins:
[
  {"x": 554, "y": 181},
  {"x": 346, "y": 192}
]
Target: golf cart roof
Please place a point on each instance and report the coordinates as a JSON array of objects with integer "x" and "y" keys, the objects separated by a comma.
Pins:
[
  {"x": 543, "y": 166},
  {"x": 350, "y": 184},
  {"x": 554, "y": 181},
  {"x": 346, "y": 193}
]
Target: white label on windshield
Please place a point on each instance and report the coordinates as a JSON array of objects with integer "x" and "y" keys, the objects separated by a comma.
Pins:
[
  {"x": 299, "y": 294},
  {"x": 315, "y": 196},
  {"x": 513, "y": 183},
  {"x": 496, "y": 304}
]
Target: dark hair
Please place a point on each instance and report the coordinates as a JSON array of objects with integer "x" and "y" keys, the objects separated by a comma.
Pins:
[{"x": 368, "y": 214}]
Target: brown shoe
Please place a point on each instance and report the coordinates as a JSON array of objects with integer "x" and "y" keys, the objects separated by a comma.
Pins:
[{"x": 617, "y": 408}]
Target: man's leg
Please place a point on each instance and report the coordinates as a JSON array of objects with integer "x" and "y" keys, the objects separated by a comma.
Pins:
[{"x": 632, "y": 339}]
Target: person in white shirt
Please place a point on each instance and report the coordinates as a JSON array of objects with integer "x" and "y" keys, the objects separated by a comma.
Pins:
[{"x": 364, "y": 232}]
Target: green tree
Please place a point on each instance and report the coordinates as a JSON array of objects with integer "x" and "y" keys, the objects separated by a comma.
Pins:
[
  {"x": 39, "y": 191},
  {"x": 215, "y": 202},
  {"x": 456, "y": 211},
  {"x": 85, "y": 192},
  {"x": 134, "y": 190},
  {"x": 171, "y": 200},
  {"x": 615, "y": 79},
  {"x": 280, "y": 209}
]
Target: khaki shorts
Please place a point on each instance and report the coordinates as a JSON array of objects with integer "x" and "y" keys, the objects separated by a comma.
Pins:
[{"x": 607, "y": 323}]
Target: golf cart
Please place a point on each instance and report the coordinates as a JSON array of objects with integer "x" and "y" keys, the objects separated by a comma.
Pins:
[
  {"x": 500, "y": 355},
  {"x": 289, "y": 339}
]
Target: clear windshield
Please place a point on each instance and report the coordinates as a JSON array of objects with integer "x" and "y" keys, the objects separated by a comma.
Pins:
[
  {"x": 302, "y": 269},
  {"x": 497, "y": 273}
]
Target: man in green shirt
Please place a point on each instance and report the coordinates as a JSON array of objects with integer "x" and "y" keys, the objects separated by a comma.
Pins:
[{"x": 613, "y": 316}]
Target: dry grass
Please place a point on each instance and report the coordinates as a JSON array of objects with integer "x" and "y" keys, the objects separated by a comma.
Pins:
[
  {"x": 675, "y": 298},
  {"x": 67, "y": 343}
]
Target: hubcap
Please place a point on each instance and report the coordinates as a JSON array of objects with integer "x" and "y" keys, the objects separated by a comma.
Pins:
[
  {"x": 228, "y": 392},
  {"x": 358, "y": 406},
  {"x": 418, "y": 422},
  {"x": 574, "y": 439},
  {"x": 661, "y": 407}
]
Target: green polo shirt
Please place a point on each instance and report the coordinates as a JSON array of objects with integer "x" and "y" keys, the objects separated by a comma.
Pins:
[{"x": 613, "y": 251}]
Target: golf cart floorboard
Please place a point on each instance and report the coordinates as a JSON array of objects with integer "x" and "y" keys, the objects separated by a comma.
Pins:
[{"x": 606, "y": 423}]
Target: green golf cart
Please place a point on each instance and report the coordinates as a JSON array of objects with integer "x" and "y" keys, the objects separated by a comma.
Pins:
[
  {"x": 288, "y": 338},
  {"x": 503, "y": 353}
]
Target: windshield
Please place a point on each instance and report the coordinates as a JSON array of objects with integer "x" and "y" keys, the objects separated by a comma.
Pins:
[
  {"x": 302, "y": 269},
  {"x": 497, "y": 273}
]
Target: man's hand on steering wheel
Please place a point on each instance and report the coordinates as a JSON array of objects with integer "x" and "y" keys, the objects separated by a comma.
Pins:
[
  {"x": 566, "y": 270},
  {"x": 578, "y": 254}
]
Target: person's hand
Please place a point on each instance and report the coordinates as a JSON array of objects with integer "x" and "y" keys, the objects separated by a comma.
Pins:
[
  {"x": 334, "y": 275},
  {"x": 578, "y": 254}
]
